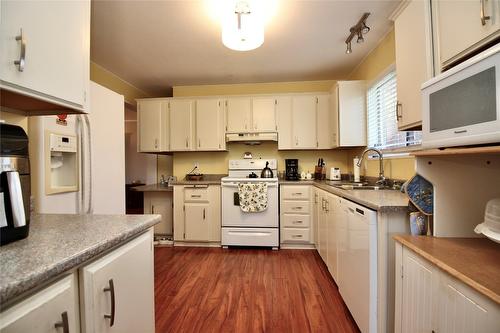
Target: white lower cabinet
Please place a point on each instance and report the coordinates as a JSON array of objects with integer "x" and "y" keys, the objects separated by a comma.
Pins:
[
  {"x": 160, "y": 203},
  {"x": 53, "y": 309},
  {"x": 117, "y": 290},
  {"x": 197, "y": 213},
  {"x": 430, "y": 300},
  {"x": 295, "y": 217}
]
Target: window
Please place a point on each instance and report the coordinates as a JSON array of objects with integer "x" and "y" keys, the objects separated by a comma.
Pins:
[{"x": 382, "y": 124}]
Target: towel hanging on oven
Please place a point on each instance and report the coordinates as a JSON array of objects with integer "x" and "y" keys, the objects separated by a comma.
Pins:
[{"x": 253, "y": 197}]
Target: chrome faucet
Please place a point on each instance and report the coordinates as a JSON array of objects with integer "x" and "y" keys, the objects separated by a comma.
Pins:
[{"x": 381, "y": 178}]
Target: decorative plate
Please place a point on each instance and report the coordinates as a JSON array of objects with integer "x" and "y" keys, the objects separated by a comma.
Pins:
[{"x": 421, "y": 194}]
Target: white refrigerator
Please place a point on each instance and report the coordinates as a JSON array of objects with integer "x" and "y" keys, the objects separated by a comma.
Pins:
[{"x": 99, "y": 170}]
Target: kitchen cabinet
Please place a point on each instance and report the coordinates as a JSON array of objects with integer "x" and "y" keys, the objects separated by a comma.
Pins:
[
  {"x": 118, "y": 289},
  {"x": 304, "y": 122},
  {"x": 238, "y": 114},
  {"x": 52, "y": 62},
  {"x": 430, "y": 300},
  {"x": 181, "y": 124},
  {"x": 349, "y": 113},
  {"x": 323, "y": 226},
  {"x": 461, "y": 27},
  {"x": 315, "y": 216},
  {"x": 264, "y": 114},
  {"x": 324, "y": 123},
  {"x": 54, "y": 308},
  {"x": 296, "y": 227},
  {"x": 210, "y": 132},
  {"x": 197, "y": 213},
  {"x": 152, "y": 125},
  {"x": 334, "y": 214},
  {"x": 414, "y": 60},
  {"x": 284, "y": 122},
  {"x": 160, "y": 202}
]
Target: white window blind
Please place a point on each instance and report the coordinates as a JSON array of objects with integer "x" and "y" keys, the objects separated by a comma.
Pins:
[{"x": 382, "y": 124}]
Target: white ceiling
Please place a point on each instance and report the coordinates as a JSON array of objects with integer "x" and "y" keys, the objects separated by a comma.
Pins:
[{"x": 159, "y": 44}]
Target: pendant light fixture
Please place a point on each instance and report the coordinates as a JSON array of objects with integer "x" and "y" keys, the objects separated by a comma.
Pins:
[{"x": 243, "y": 25}]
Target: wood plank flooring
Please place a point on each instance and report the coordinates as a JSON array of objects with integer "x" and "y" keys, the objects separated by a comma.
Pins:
[{"x": 246, "y": 290}]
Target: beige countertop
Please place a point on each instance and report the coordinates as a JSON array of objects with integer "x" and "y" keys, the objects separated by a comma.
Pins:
[
  {"x": 206, "y": 180},
  {"x": 474, "y": 261}
]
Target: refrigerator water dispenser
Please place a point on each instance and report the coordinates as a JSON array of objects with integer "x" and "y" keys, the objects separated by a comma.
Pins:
[{"x": 62, "y": 164}]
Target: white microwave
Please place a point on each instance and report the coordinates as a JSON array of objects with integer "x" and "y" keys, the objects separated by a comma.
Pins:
[{"x": 462, "y": 105}]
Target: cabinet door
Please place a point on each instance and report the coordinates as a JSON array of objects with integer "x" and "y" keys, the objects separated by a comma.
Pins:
[
  {"x": 323, "y": 227},
  {"x": 334, "y": 116},
  {"x": 264, "y": 114},
  {"x": 122, "y": 280},
  {"x": 416, "y": 294},
  {"x": 152, "y": 125},
  {"x": 181, "y": 125},
  {"x": 352, "y": 113},
  {"x": 324, "y": 122},
  {"x": 238, "y": 110},
  {"x": 209, "y": 125},
  {"x": 332, "y": 218},
  {"x": 413, "y": 61},
  {"x": 160, "y": 203},
  {"x": 56, "y": 35},
  {"x": 284, "y": 122},
  {"x": 315, "y": 215},
  {"x": 462, "y": 310},
  {"x": 304, "y": 122},
  {"x": 197, "y": 223},
  {"x": 456, "y": 40},
  {"x": 42, "y": 311}
]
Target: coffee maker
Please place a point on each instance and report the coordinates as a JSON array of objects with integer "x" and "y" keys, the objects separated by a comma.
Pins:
[
  {"x": 292, "y": 169},
  {"x": 15, "y": 190}
]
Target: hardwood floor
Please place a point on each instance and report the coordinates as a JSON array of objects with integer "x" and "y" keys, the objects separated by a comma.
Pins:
[{"x": 246, "y": 290}]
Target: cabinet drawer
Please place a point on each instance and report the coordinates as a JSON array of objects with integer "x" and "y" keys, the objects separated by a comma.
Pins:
[
  {"x": 295, "y": 235},
  {"x": 195, "y": 194},
  {"x": 295, "y": 221},
  {"x": 295, "y": 207},
  {"x": 299, "y": 192}
]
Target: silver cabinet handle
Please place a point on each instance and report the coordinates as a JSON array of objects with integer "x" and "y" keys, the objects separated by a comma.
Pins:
[
  {"x": 204, "y": 213},
  {"x": 111, "y": 290},
  {"x": 322, "y": 204},
  {"x": 327, "y": 206},
  {"x": 315, "y": 198},
  {"x": 399, "y": 106},
  {"x": 296, "y": 236},
  {"x": 297, "y": 208},
  {"x": 187, "y": 142},
  {"x": 297, "y": 222},
  {"x": 460, "y": 131},
  {"x": 22, "y": 56},
  {"x": 64, "y": 323},
  {"x": 199, "y": 142},
  {"x": 156, "y": 143},
  {"x": 152, "y": 209},
  {"x": 297, "y": 193},
  {"x": 195, "y": 195},
  {"x": 296, "y": 140},
  {"x": 483, "y": 17}
]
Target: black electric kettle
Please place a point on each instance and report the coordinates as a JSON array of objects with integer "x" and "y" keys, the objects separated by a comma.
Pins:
[{"x": 267, "y": 172}]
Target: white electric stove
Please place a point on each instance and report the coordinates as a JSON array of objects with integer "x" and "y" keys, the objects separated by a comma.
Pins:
[{"x": 249, "y": 229}]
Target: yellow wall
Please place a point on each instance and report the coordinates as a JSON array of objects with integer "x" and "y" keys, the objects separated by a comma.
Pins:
[
  {"x": 377, "y": 61},
  {"x": 15, "y": 119},
  {"x": 111, "y": 81},
  {"x": 217, "y": 162},
  {"x": 253, "y": 88}
]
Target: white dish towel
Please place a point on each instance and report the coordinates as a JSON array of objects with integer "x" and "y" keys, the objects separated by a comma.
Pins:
[{"x": 253, "y": 197}]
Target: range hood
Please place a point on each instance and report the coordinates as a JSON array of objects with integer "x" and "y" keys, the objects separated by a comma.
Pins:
[{"x": 251, "y": 138}]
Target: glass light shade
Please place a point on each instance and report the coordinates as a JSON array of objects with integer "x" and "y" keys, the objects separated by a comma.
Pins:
[{"x": 244, "y": 33}]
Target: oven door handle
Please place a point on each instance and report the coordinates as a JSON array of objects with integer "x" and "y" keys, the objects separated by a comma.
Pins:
[{"x": 236, "y": 185}]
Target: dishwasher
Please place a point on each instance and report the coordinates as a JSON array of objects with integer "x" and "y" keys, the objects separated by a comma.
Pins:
[{"x": 358, "y": 263}]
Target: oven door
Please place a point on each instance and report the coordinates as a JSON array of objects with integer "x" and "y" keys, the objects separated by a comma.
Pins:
[{"x": 233, "y": 216}]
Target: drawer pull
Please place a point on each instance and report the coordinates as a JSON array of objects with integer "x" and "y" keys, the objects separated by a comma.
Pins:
[
  {"x": 296, "y": 236},
  {"x": 297, "y": 208},
  {"x": 64, "y": 323},
  {"x": 22, "y": 57},
  {"x": 195, "y": 195},
  {"x": 297, "y": 193},
  {"x": 111, "y": 290},
  {"x": 297, "y": 222}
]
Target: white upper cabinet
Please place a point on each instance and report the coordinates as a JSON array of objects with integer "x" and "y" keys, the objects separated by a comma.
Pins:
[
  {"x": 414, "y": 62},
  {"x": 324, "y": 122},
  {"x": 209, "y": 124},
  {"x": 181, "y": 124},
  {"x": 50, "y": 43},
  {"x": 350, "y": 113},
  {"x": 238, "y": 114},
  {"x": 463, "y": 26},
  {"x": 264, "y": 114},
  {"x": 152, "y": 125},
  {"x": 284, "y": 121},
  {"x": 304, "y": 122}
]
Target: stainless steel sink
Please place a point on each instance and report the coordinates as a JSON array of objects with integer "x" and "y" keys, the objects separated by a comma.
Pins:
[{"x": 362, "y": 187}]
